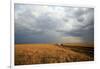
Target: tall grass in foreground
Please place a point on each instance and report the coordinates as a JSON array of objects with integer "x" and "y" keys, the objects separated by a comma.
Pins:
[{"x": 47, "y": 53}]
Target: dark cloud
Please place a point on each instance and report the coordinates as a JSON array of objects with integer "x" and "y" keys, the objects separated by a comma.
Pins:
[
  {"x": 51, "y": 24},
  {"x": 80, "y": 19}
]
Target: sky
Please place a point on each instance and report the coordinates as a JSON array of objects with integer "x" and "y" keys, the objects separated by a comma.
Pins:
[{"x": 53, "y": 24}]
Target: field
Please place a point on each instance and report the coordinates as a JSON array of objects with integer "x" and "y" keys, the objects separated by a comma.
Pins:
[{"x": 26, "y": 54}]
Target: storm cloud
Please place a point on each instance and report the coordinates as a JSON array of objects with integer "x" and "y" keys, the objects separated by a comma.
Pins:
[{"x": 53, "y": 24}]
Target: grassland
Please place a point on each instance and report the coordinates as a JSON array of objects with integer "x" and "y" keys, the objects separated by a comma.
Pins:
[{"x": 26, "y": 54}]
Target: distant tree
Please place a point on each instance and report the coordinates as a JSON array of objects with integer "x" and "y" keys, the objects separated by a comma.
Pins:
[{"x": 62, "y": 45}]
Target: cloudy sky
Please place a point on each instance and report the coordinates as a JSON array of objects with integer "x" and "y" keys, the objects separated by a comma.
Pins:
[{"x": 53, "y": 24}]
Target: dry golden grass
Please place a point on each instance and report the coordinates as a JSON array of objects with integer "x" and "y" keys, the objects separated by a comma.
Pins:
[{"x": 46, "y": 53}]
